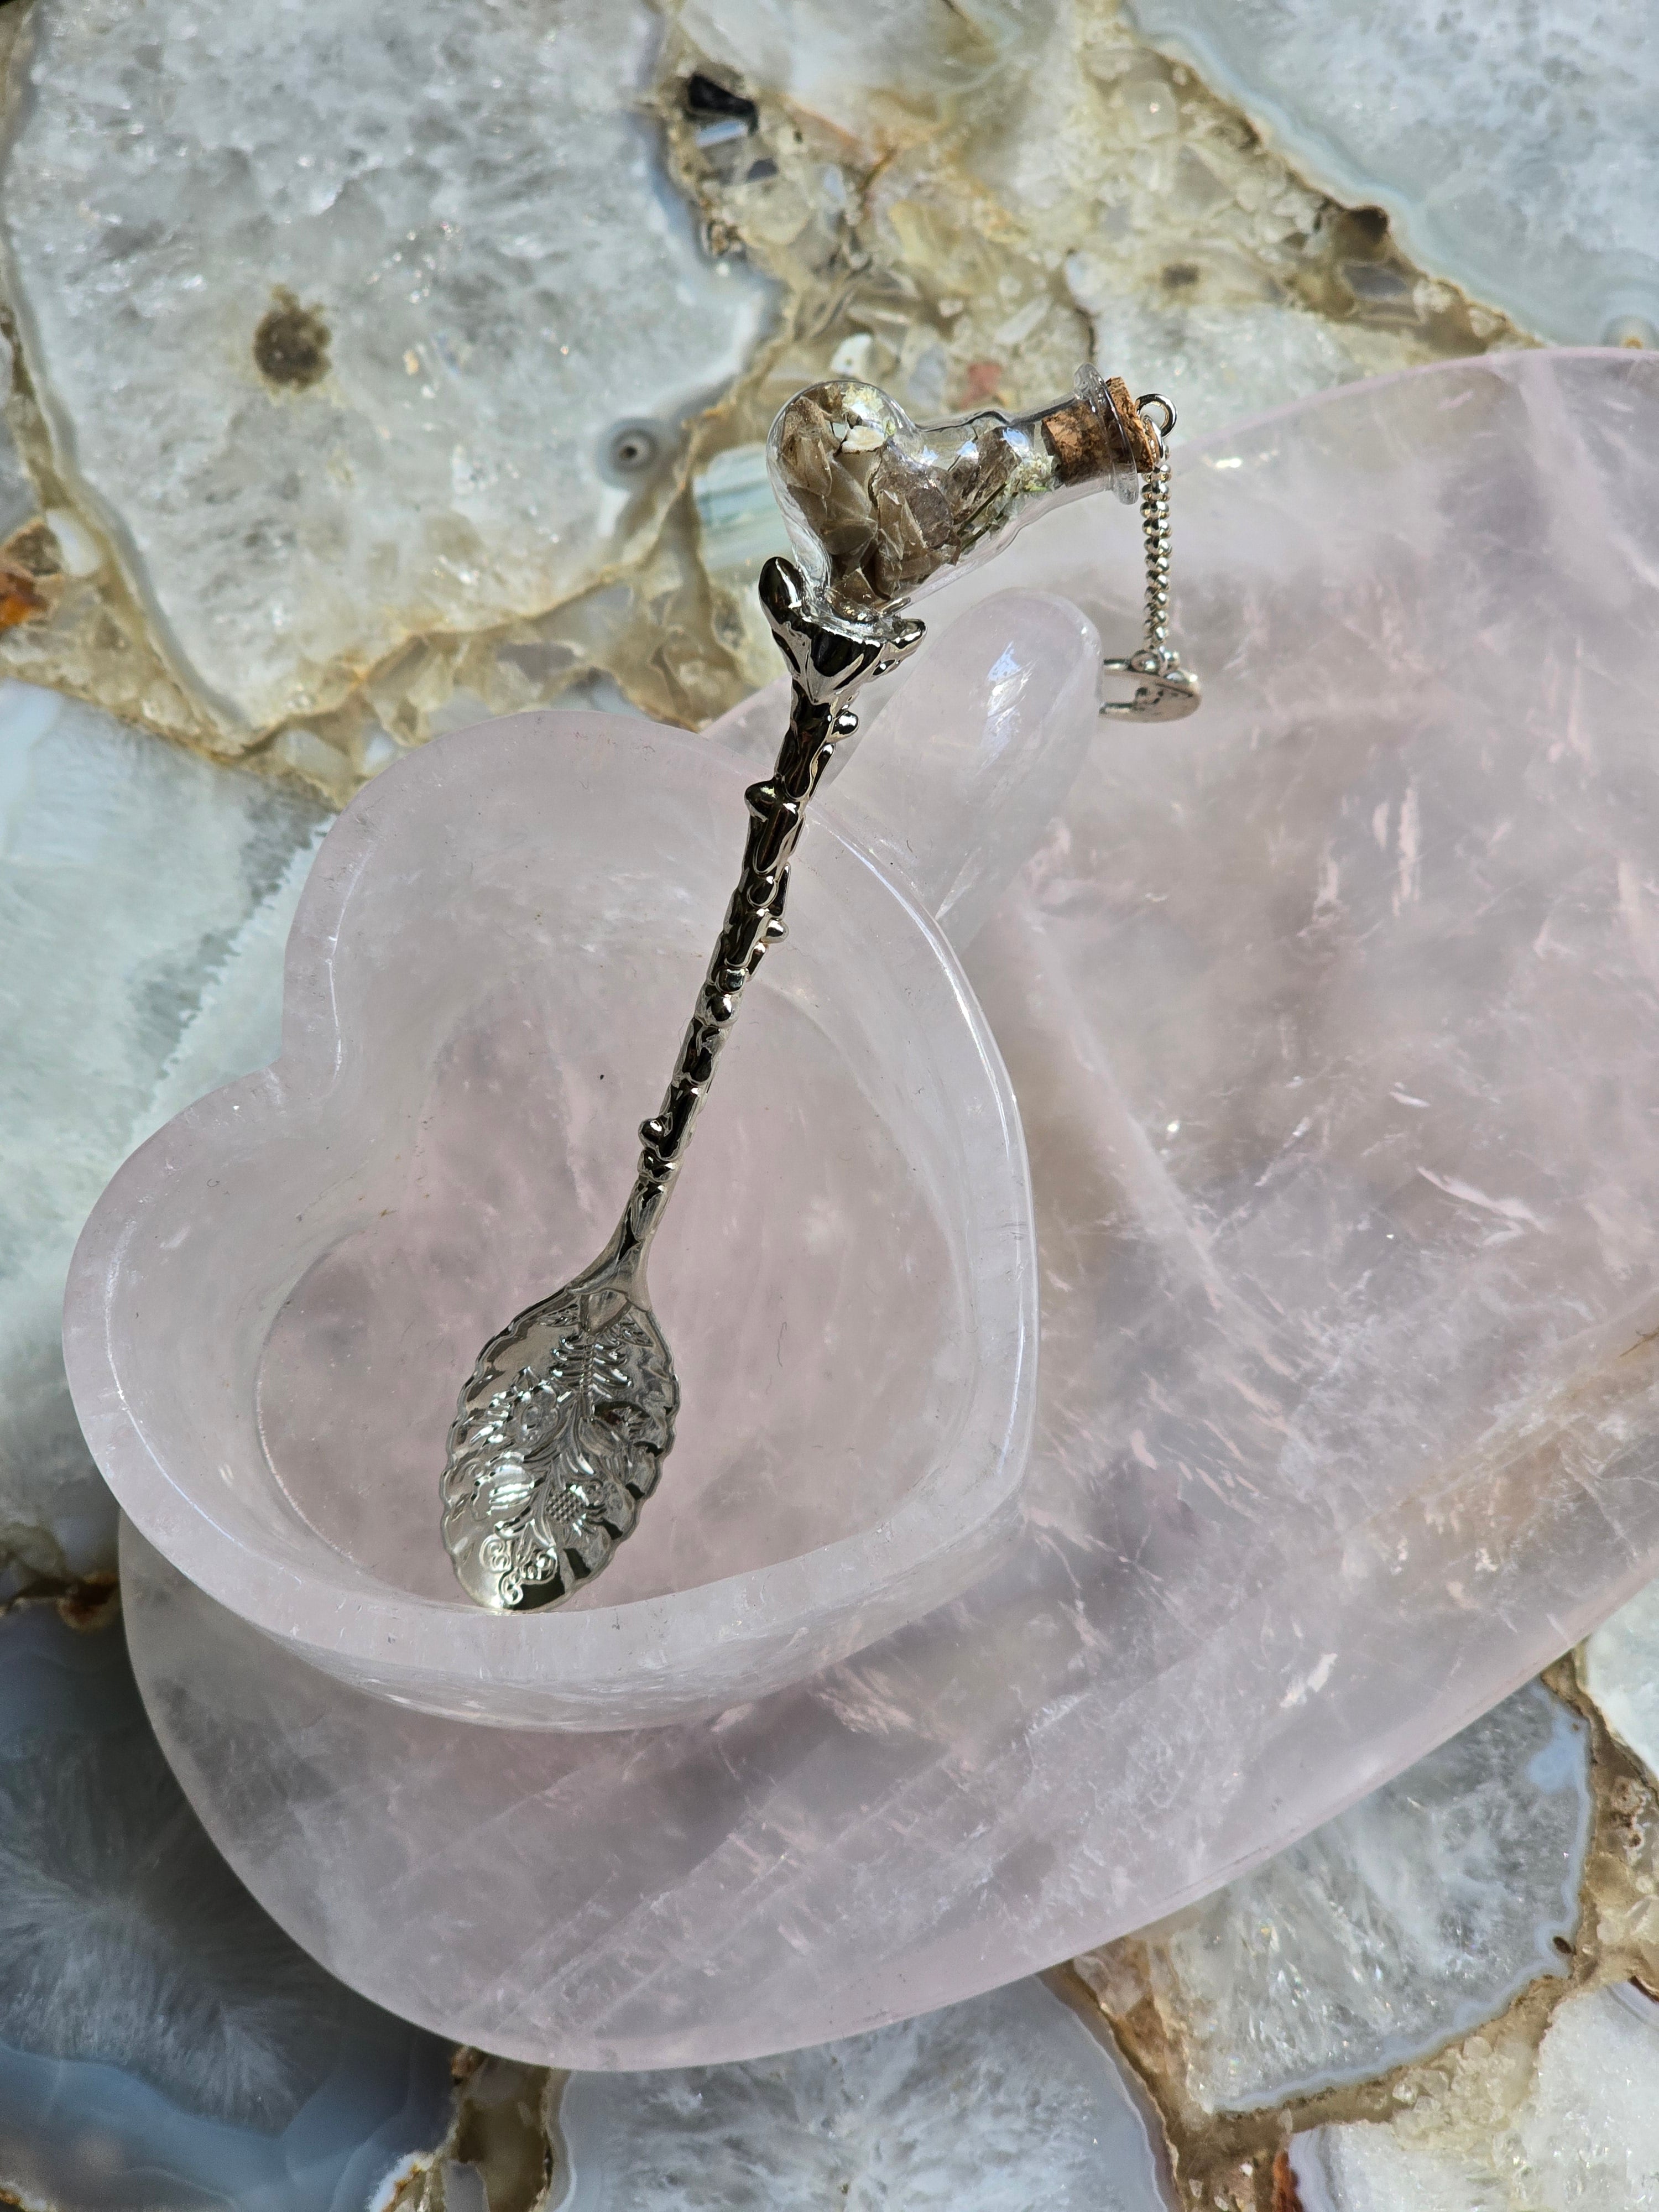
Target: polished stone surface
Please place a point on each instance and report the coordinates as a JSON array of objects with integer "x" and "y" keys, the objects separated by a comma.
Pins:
[
  {"x": 1407, "y": 1920},
  {"x": 1348, "y": 1412},
  {"x": 1511, "y": 141},
  {"x": 1002, "y": 2103},
  {"x": 958, "y": 201},
  {"x": 1582, "y": 2137},
  {"x": 163, "y": 2046},
  {"x": 1009, "y": 2090},
  {"x": 17, "y": 500},
  {"x": 383, "y": 302}
]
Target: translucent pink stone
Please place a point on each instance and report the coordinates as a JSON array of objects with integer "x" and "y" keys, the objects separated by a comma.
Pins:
[
  {"x": 278, "y": 1298},
  {"x": 1333, "y": 1014}
]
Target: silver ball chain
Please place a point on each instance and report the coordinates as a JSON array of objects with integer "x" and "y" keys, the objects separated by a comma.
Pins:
[
  {"x": 1165, "y": 691},
  {"x": 1155, "y": 532}
]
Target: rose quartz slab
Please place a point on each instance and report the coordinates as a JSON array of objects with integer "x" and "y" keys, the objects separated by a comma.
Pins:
[
  {"x": 277, "y": 1298},
  {"x": 1333, "y": 1014}
]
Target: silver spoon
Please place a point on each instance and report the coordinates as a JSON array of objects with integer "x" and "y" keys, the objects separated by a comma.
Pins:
[{"x": 561, "y": 1433}]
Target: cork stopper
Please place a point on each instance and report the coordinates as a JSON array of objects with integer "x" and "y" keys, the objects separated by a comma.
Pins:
[
  {"x": 1090, "y": 439},
  {"x": 1084, "y": 442},
  {"x": 1144, "y": 440}
]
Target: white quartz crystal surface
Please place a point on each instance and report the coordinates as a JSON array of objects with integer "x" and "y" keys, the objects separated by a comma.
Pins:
[
  {"x": 477, "y": 273},
  {"x": 1196, "y": 265},
  {"x": 1411, "y": 1917},
  {"x": 1621, "y": 1673},
  {"x": 1000, "y": 2105},
  {"x": 1511, "y": 141},
  {"x": 144, "y": 901},
  {"x": 1218, "y": 360},
  {"x": 1585, "y": 2139}
]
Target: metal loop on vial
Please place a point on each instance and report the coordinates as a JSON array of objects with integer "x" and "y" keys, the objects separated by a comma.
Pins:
[{"x": 1156, "y": 399}]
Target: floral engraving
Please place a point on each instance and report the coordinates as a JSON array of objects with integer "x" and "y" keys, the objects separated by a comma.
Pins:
[{"x": 559, "y": 1436}]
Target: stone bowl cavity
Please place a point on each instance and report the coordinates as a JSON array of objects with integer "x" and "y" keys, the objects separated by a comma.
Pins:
[{"x": 277, "y": 1298}]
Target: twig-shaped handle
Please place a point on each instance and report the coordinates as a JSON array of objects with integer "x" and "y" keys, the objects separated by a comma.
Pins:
[{"x": 829, "y": 659}]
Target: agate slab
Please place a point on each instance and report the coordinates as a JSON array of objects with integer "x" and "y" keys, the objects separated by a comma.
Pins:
[
  {"x": 357, "y": 261},
  {"x": 1512, "y": 144},
  {"x": 163, "y": 2047},
  {"x": 1333, "y": 1014}
]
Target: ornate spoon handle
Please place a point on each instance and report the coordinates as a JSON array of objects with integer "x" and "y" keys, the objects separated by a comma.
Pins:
[
  {"x": 829, "y": 662},
  {"x": 562, "y": 1431}
]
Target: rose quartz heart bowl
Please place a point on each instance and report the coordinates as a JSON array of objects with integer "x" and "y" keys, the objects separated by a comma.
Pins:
[{"x": 278, "y": 1297}]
